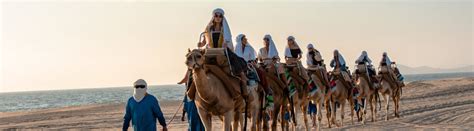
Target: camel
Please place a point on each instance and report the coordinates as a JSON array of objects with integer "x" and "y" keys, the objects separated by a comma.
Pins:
[
  {"x": 339, "y": 94},
  {"x": 253, "y": 109},
  {"x": 389, "y": 89},
  {"x": 319, "y": 97},
  {"x": 280, "y": 96},
  {"x": 366, "y": 92},
  {"x": 212, "y": 97},
  {"x": 300, "y": 98}
]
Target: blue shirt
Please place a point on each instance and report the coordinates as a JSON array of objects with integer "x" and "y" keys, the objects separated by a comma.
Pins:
[{"x": 143, "y": 114}]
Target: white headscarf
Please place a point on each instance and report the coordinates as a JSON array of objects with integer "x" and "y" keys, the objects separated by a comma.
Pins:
[
  {"x": 139, "y": 93},
  {"x": 287, "y": 48},
  {"x": 341, "y": 59},
  {"x": 248, "y": 53},
  {"x": 387, "y": 59},
  {"x": 310, "y": 46},
  {"x": 362, "y": 56},
  {"x": 226, "y": 30},
  {"x": 272, "y": 50}
]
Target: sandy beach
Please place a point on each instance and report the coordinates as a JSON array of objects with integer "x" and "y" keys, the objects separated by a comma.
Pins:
[{"x": 438, "y": 104}]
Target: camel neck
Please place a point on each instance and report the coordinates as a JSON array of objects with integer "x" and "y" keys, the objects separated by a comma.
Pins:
[{"x": 200, "y": 79}]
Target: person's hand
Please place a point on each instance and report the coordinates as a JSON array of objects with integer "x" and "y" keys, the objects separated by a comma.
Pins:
[
  {"x": 202, "y": 43},
  {"x": 165, "y": 128},
  {"x": 224, "y": 45}
]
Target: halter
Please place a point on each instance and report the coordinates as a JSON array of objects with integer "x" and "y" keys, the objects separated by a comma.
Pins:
[{"x": 195, "y": 65}]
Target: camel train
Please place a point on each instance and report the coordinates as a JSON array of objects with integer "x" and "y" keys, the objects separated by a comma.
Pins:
[
  {"x": 217, "y": 92},
  {"x": 238, "y": 85}
]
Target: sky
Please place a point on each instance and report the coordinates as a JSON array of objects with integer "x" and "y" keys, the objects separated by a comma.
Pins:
[{"x": 68, "y": 44}]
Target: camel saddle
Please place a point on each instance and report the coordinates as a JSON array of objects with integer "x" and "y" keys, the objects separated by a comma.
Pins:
[
  {"x": 218, "y": 57},
  {"x": 343, "y": 76},
  {"x": 317, "y": 70}
]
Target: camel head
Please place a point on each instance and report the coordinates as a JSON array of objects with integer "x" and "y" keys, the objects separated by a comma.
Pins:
[{"x": 194, "y": 58}]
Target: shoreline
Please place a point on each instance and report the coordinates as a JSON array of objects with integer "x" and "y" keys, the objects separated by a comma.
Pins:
[{"x": 432, "y": 104}]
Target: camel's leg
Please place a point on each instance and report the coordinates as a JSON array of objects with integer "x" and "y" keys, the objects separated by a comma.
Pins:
[
  {"x": 313, "y": 119},
  {"x": 318, "y": 113},
  {"x": 299, "y": 105},
  {"x": 387, "y": 102},
  {"x": 398, "y": 107},
  {"x": 371, "y": 97},
  {"x": 259, "y": 120},
  {"x": 294, "y": 124},
  {"x": 328, "y": 106},
  {"x": 206, "y": 119},
  {"x": 276, "y": 108},
  {"x": 342, "y": 112},
  {"x": 228, "y": 117},
  {"x": 395, "y": 103},
  {"x": 282, "y": 118},
  {"x": 352, "y": 104},
  {"x": 242, "y": 119},
  {"x": 263, "y": 123},
  {"x": 305, "y": 118},
  {"x": 236, "y": 121},
  {"x": 253, "y": 117},
  {"x": 364, "y": 112},
  {"x": 283, "y": 123},
  {"x": 253, "y": 127},
  {"x": 333, "y": 113},
  {"x": 262, "y": 119}
]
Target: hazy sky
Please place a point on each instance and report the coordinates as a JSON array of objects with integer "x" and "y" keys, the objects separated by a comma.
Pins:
[{"x": 76, "y": 44}]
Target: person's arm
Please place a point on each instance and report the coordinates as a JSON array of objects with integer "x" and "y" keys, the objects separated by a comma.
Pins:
[
  {"x": 300, "y": 55},
  {"x": 158, "y": 114},
  {"x": 309, "y": 62},
  {"x": 333, "y": 63},
  {"x": 186, "y": 77},
  {"x": 127, "y": 117},
  {"x": 259, "y": 56},
  {"x": 204, "y": 41}
]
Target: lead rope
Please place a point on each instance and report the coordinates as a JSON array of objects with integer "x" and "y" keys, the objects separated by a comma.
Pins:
[{"x": 172, "y": 118}]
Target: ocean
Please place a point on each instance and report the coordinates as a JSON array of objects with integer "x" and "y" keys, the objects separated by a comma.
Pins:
[{"x": 24, "y": 101}]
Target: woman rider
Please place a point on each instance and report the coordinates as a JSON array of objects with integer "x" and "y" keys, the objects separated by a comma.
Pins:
[
  {"x": 293, "y": 55},
  {"x": 315, "y": 59},
  {"x": 247, "y": 52},
  {"x": 268, "y": 55}
]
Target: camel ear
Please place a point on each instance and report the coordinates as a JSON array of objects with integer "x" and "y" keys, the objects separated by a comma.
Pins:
[{"x": 189, "y": 50}]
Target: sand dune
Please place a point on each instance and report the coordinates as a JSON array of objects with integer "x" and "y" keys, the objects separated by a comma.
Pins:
[{"x": 438, "y": 104}]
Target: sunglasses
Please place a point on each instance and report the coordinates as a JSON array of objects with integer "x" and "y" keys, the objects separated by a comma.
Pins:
[
  {"x": 265, "y": 39},
  {"x": 140, "y": 86},
  {"x": 218, "y": 16}
]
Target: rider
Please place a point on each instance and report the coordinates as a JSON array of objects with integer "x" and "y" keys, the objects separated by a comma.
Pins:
[
  {"x": 395, "y": 74},
  {"x": 268, "y": 55},
  {"x": 293, "y": 55},
  {"x": 314, "y": 60},
  {"x": 338, "y": 62},
  {"x": 245, "y": 50},
  {"x": 217, "y": 35},
  {"x": 363, "y": 59}
]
